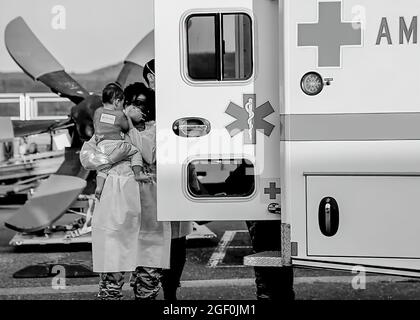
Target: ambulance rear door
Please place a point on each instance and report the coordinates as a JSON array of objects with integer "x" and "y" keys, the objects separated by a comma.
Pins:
[{"x": 217, "y": 109}]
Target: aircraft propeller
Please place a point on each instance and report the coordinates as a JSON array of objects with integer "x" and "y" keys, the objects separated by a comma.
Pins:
[{"x": 38, "y": 63}]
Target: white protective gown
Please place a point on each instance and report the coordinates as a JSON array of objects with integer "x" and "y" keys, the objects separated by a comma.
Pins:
[
  {"x": 125, "y": 230},
  {"x": 146, "y": 140}
]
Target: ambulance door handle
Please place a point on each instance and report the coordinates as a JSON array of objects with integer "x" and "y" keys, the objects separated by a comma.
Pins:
[
  {"x": 191, "y": 127},
  {"x": 274, "y": 208},
  {"x": 328, "y": 217}
]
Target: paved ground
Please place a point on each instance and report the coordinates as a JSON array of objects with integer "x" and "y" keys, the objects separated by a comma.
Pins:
[{"x": 213, "y": 272}]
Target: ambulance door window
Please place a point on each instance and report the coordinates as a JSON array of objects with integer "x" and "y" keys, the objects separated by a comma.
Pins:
[
  {"x": 234, "y": 178},
  {"x": 237, "y": 47},
  {"x": 219, "y": 47},
  {"x": 202, "y": 56}
]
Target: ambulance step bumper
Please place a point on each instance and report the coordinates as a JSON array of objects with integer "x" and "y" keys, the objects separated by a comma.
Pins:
[{"x": 264, "y": 259}]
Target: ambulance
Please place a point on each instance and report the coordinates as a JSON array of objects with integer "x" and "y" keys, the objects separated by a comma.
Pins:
[{"x": 306, "y": 111}]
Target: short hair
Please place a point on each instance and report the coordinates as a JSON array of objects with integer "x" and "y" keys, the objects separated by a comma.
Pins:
[
  {"x": 133, "y": 91},
  {"x": 149, "y": 68},
  {"x": 112, "y": 91}
]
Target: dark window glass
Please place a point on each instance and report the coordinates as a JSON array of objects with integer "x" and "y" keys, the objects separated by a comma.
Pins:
[
  {"x": 221, "y": 178},
  {"x": 54, "y": 108},
  {"x": 220, "y": 47},
  {"x": 9, "y": 109},
  {"x": 202, "y": 55}
]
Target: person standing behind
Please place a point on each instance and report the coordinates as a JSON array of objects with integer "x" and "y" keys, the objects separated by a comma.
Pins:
[
  {"x": 171, "y": 277},
  {"x": 272, "y": 283},
  {"x": 154, "y": 238}
]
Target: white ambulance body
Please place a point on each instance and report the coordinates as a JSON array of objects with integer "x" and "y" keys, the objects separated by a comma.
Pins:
[{"x": 313, "y": 105}]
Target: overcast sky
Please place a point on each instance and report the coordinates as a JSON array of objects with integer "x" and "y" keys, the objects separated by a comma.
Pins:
[{"x": 97, "y": 33}]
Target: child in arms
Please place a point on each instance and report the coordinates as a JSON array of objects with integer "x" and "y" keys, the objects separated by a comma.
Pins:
[{"x": 111, "y": 125}]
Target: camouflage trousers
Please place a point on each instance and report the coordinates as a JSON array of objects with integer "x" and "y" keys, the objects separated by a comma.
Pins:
[{"x": 146, "y": 284}]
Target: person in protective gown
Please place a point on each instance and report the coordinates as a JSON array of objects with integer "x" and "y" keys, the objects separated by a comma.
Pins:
[
  {"x": 126, "y": 236},
  {"x": 179, "y": 230}
]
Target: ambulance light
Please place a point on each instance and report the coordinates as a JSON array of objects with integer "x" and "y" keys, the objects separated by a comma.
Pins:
[{"x": 312, "y": 83}]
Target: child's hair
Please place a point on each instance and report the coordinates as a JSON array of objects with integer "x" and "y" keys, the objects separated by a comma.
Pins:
[
  {"x": 149, "y": 68},
  {"x": 112, "y": 91},
  {"x": 133, "y": 91}
]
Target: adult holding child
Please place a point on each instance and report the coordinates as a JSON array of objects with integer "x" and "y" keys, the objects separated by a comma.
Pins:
[{"x": 122, "y": 239}]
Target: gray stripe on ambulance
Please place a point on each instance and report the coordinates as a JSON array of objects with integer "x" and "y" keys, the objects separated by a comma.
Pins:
[{"x": 350, "y": 127}]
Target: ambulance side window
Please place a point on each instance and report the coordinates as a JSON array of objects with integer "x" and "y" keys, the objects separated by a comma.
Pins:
[
  {"x": 233, "y": 178},
  {"x": 219, "y": 47}
]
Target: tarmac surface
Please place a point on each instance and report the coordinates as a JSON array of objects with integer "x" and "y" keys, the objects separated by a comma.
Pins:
[{"x": 212, "y": 272}]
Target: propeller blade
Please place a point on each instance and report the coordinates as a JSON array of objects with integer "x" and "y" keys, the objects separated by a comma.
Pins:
[
  {"x": 49, "y": 203},
  {"x": 65, "y": 86},
  {"x": 144, "y": 51},
  {"x": 36, "y": 61},
  {"x": 127, "y": 69},
  {"x": 27, "y": 51},
  {"x": 31, "y": 127}
]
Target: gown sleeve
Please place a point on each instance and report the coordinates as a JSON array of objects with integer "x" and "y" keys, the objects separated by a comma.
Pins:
[{"x": 145, "y": 141}]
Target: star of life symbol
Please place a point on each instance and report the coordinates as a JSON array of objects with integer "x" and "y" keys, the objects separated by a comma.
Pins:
[
  {"x": 330, "y": 34},
  {"x": 249, "y": 119}
]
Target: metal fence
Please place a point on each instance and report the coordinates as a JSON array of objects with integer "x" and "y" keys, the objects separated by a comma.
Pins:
[{"x": 34, "y": 106}]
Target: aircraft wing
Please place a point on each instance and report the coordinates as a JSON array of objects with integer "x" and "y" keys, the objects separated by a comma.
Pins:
[
  {"x": 31, "y": 127},
  {"x": 36, "y": 61}
]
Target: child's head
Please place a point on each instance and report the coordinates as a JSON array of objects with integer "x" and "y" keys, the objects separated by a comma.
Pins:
[{"x": 113, "y": 94}]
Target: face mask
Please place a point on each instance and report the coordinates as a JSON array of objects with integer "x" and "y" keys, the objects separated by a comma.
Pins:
[{"x": 152, "y": 81}]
